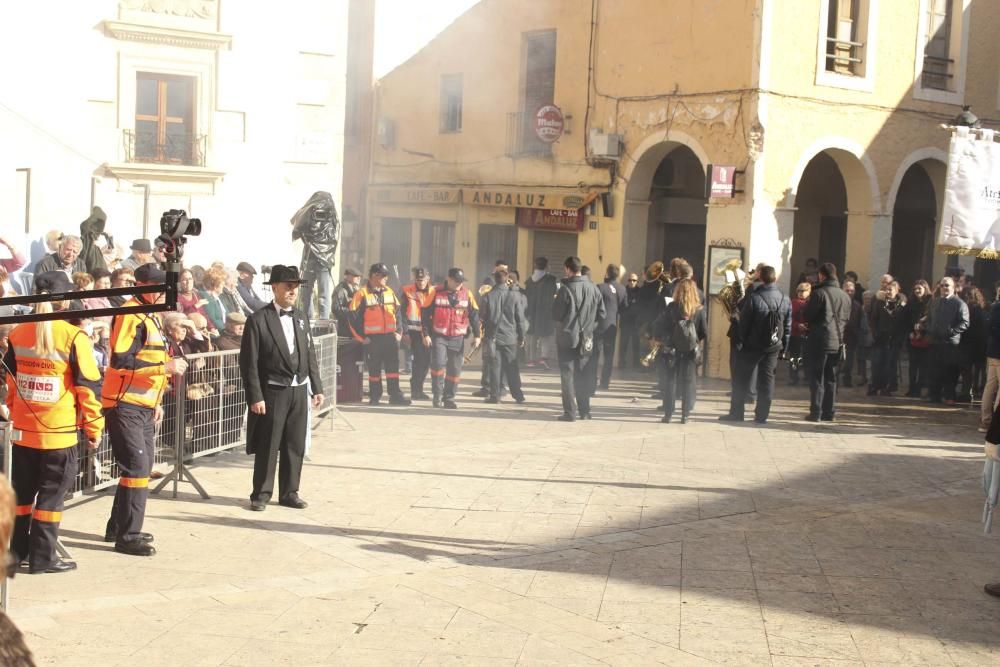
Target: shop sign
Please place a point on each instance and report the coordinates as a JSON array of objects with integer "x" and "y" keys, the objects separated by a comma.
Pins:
[
  {"x": 515, "y": 199},
  {"x": 549, "y": 123},
  {"x": 417, "y": 196},
  {"x": 560, "y": 220},
  {"x": 722, "y": 181}
]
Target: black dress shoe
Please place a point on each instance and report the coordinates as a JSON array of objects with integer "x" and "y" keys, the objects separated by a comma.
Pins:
[
  {"x": 665, "y": 419},
  {"x": 519, "y": 399},
  {"x": 450, "y": 405},
  {"x": 53, "y": 568},
  {"x": 730, "y": 418},
  {"x": 566, "y": 418},
  {"x": 586, "y": 415},
  {"x": 421, "y": 396},
  {"x": 482, "y": 393},
  {"x": 142, "y": 537},
  {"x": 492, "y": 399},
  {"x": 257, "y": 506},
  {"x": 373, "y": 401},
  {"x": 826, "y": 418},
  {"x": 399, "y": 399},
  {"x": 294, "y": 502},
  {"x": 135, "y": 548},
  {"x": 684, "y": 420},
  {"x": 812, "y": 418},
  {"x": 760, "y": 420}
]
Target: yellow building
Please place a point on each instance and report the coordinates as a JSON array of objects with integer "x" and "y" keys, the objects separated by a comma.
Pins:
[{"x": 828, "y": 112}]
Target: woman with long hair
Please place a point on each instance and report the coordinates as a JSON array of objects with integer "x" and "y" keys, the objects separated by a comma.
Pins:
[
  {"x": 917, "y": 342},
  {"x": 680, "y": 330}
]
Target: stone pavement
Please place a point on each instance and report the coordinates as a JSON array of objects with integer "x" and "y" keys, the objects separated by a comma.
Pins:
[{"x": 498, "y": 536}]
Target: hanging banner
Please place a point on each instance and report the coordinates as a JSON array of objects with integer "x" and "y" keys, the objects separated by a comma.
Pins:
[
  {"x": 560, "y": 220},
  {"x": 970, "y": 223}
]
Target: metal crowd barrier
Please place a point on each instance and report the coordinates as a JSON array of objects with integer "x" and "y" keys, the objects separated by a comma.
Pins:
[{"x": 210, "y": 419}]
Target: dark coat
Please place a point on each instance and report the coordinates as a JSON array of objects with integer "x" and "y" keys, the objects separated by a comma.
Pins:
[
  {"x": 827, "y": 313},
  {"x": 630, "y": 310},
  {"x": 343, "y": 294},
  {"x": 320, "y": 237},
  {"x": 250, "y": 296},
  {"x": 502, "y": 313},
  {"x": 889, "y": 322},
  {"x": 265, "y": 359},
  {"x": 90, "y": 231},
  {"x": 664, "y": 325},
  {"x": 613, "y": 295},
  {"x": 540, "y": 296},
  {"x": 947, "y": 320},
  {"x": 577, "y": 308},
  {"x": 993, "y": 340},
  {"x": 52, "y": 263},
  {"x": 754, "y": 315}
]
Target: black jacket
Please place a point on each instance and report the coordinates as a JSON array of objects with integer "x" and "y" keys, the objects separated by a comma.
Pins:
[
  {"x": 502, "y": 313},
  {"x": 754, "y": 315},
  {"x": 577, "y": 306},
  {"x": 827, "y": 313},
  {"x": 993, "y": 340},
  {"x": 889, "y": 322},
  {"x": 343, "y": 294},
  {"x": 249, "y": 295},
  {"x": 539, "y": 312},
  {"x": 264, "y": 355},
  {"x": 947, "y": 320},
  {"x": 630, "y": 308},
  {"x": 613, "y": 295},
  {"x": 664, "y": 325}
]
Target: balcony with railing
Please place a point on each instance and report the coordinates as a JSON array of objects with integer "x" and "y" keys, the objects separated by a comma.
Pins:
[
  {"x": 521, "y": 138},
  {"x": 153, "y": 148}
]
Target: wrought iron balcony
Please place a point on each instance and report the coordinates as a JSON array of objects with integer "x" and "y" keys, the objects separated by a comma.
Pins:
[
  {"x": 521, "y": 138},
  {"x": 843, "y": 56},
  {"x": 146, "y": 148},
  {"x": 937, "y": 72}
]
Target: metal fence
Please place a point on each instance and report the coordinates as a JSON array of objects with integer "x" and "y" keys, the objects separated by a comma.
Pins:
[{"x": 204, "y": 414}]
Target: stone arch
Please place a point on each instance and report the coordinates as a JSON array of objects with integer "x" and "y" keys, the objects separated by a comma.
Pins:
[{"x": 856, "y": 168}]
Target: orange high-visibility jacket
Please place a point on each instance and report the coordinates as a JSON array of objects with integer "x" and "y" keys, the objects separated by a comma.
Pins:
[
  {"x": 375, "y": 311},
  {"x": 51, "y": 396},
  {"x": 416, "y": 301},
  {"x": 137, "y": 374}
]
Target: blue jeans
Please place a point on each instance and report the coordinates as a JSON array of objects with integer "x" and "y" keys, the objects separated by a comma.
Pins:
[{"x": 324, "y": 282}]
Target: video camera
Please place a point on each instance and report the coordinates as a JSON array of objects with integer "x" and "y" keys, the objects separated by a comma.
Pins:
[{"x": 175, "y": 227}]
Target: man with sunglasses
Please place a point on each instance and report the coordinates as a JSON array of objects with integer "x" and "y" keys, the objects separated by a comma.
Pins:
[{"x": 628, "y": 352}]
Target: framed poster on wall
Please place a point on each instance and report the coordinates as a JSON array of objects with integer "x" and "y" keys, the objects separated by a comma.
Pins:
[{"x": 718, "y": 256}]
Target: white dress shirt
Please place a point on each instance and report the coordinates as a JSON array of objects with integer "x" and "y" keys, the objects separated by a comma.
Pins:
[{"x": 288, "y": 328}]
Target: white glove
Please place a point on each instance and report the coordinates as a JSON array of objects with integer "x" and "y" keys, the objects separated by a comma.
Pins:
[{"x": 992, "y": 451}]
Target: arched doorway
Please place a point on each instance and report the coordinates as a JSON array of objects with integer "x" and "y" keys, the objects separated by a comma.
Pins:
[
  {"x": 914, "y": 224},
  {"x": 665, "y": 214},
  {"x": 820, "y": 228}
]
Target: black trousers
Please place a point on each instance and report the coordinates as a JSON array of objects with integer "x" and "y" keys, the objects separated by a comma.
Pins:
[
  {"x": 421, "y": 363},
  {"x": 823, "y": 383},
  {"x": 944, "y": 370},
  {"x": 447, "y": 356},
  {"x": 132, "y": 433},
  {"x": 502, "y": 360},
  {"x": 918, "y": 371},
  {"x": 382, "y": 352},
  {"x": 574, "y": 381},
  {"x": 280, "y": 433},
  {"x": 604, "y": 343},
  {"x": 734, "y": 355},
  {"x": 678, "y": 377},
  {"x": 758, "y": 367},
  {"x": 628, "y": 354},
  {"x": 41, "y": 478}
]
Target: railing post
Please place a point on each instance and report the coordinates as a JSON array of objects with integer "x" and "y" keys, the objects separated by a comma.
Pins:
[{"x": 180, "y": 431}]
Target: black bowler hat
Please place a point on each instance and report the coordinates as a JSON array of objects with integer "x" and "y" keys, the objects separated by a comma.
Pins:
[
  {"x": 284, "y": 274},
  {"x": 53, "y": 282},
  {"x": 456, "y": 274},
  {"x": 141, "y": 245}
]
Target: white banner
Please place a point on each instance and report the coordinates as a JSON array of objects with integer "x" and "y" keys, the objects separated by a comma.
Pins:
[{"x": 971, "y": 218}]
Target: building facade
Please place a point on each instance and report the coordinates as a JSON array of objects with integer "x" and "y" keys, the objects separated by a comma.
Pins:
[
  {"x": 139, "y": 106},
  {"x": 824, "y": 116}
]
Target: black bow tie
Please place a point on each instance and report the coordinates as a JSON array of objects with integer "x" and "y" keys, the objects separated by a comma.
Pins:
[{"x": 286, "y": 313}]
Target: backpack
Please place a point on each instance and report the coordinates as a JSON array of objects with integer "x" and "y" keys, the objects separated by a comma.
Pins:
[
  {"x": 684, "y": 337},
  {"x": 773, "y": 331}
]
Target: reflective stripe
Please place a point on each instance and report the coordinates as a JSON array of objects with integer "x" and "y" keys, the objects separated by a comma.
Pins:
[
  {"x": 46, "y": 515},
  {"x": 437, "y": 374},
  {"x": 23, "y": 510},
  {"x": 375, "y": 378},
  {"x": 455, "y": 379},
  {"x": 392, "y": 376},
  {"x": 134, "y": 482}
]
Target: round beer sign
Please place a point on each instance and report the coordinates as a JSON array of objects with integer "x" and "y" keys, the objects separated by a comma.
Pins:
[{"x": 549, "y": 123}]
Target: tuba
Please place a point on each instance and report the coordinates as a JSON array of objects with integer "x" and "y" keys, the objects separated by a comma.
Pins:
[{"x": 734, "y": 290}]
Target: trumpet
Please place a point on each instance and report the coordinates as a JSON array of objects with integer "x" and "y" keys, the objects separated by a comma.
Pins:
[{"x": 654, "y": 351}]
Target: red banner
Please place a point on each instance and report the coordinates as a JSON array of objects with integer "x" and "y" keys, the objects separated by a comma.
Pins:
[{"x": 559, "y": 220}]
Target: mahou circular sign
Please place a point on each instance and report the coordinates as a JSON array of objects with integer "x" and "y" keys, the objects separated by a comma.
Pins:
[{"x": 549, "y": 123}]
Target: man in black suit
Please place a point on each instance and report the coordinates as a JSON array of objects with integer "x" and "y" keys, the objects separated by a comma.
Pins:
[{"x": 278, "y": 366}]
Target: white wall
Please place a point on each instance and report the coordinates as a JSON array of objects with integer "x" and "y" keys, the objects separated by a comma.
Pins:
[{"x": 272, "y": 106}]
